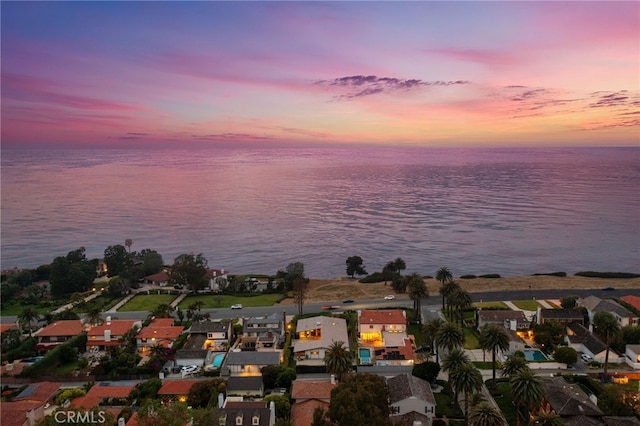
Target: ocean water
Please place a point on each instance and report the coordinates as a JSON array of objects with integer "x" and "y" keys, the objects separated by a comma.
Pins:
[{"x": 476, "y": 211}]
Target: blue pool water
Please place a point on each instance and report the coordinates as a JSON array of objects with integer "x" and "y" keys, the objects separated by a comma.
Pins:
[
  {"x": 217, "y": 360},
  {"x": 534, "y": 355},
  {"x": 365, "y": 355}
]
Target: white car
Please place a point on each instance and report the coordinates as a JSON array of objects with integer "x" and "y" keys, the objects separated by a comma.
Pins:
[
  {"x": 188, "y": 369},
  {"x": 389, "y": 297},
  {"x": 586, "y": 358},
  {"x": 236, "y": 306}
]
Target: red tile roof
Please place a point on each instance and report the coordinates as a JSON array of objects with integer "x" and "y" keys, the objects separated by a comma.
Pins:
[
  {"x": 117, "y": 327},
  {"x": 42, "y": 391},
  {"x": 302, "y": 412},
  {"x": 62, "y": 328},
  {"x": 384, "y": 316},
  {"x": 160, "y": 277},
  {"x": 6, "y": 327},
  {"x": 176, "y": 387},
  {"x": 161, "y": 329},
  {"x": 133, "y": 420},
  {"x": 632, "y": 300},
  {"x": 306, "y": 389},
  {"x": 110, "y": 391},
  {"x": 15, "y": 413}
]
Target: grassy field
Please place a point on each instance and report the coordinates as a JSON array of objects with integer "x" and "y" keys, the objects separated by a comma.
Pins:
[
  {"x": 506, "y": 403},
  {"x": 213, "y": 301},
  {"x": 146, "y": 302},
  {"x": 491, "y": 305},
  {"x": 526, "y": 305},
  {"x": 470, "y": 339}
]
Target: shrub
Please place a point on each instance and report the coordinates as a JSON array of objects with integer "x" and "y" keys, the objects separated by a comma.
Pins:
[
  {"x": 553, "y": 274},
  {"x": 593, "y": 274},
  {"x": 69, "y": 394},
  {"x": 468, "y": 277},
  {"x": 490, "y": 276},
  {"x": 376, "y": 277}
]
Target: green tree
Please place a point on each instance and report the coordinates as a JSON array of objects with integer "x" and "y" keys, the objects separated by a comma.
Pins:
[
  {"x": 426, "y": 371},
  {"x": 163, "y": 310},
  {"x": 94, "y": 315},
  {"x": 204, "y": 394},
  {"x": 447, "y": 290},
  {"x": 153, "y": 413},
  {"x": 118, "y": 286},
  {"x": 300, "y": 285},
  {"x": 293, "y": 271},
  {"x": 607, "y": 327},
  {"x": 355, "y": 267},
  {"x": 320, "y": 417},
  {"x": 566, "y": 355},
  {"x": 282, "y": 403},
  {"x": 360, "y": 399},
  {"x": 569, "y": 302},
  {"x": 460, "y": 300},
  {"x": 417, "y": 292},
  {"x": 450, "y": 336},
  {"x": 453, "y": 362},
  {"x": 430, "y": 330},
  {"x": 493, "y": 339},
  {"x": 117, "y": 259},
  {"x": 189, "y": 271},
  {"x": 73, "y": 273},
  {"x": 338, "y": 359},
  {"x": 27, "y": 316},
  {"x": 615, "y": 400},
  {"x": 468, "y": 380},
  {"x": 147, "y": 389},
  {"x": 527, "y": 391},
  {"x": 443, "y": 275},
  {"x": 547, "y": 418},
  {"x": 549, "y": 334},
  {"x": 514, "y": 365},
  {"x": 485, "y": 414}
]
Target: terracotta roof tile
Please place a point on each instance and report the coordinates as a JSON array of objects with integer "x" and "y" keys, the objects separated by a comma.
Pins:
[
  {"x": 61, "y": 328},
  {"x": 15, "y": 413},
  {"x": 6, "y": 327},
  {"x": 110, "y": 391},
  {"x": 117, "y": 328},
  {"x": 383, "y": 316},
  {"x": 632, "y": 300},
  {"x": 306, "y": 389},
  {"x": 42, "y": 391},
  {"x": 302, "y": 412},
  {"x": 176, "y": 387},
  {"x": 159, "y": 277}
]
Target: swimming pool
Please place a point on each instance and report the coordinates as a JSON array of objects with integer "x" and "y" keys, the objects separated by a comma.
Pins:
[
  {"x": 365, "y": 355},
  {"x": 534, "y": 355},
  {"x": 217, "y": 360}
]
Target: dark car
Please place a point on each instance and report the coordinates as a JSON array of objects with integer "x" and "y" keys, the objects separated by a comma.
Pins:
[
  {"x": 608, "y": 289},
  {"x": 176, "y": 369},
  {"x": 347, "y": 301},
  {"x": 178, "y": 287},
  {"x": 423, "y": 348}
]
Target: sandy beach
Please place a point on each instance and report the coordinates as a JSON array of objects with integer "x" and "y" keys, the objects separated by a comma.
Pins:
[{"x": 346, "y": 288}]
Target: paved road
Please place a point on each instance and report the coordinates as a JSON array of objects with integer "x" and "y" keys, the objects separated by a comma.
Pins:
[{"x": 428, "y": 306}]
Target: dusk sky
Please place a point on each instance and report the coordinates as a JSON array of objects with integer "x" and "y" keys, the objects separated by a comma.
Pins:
[{"x": 197, "y": 74}]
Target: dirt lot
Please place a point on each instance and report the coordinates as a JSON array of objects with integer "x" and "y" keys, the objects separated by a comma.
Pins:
[{"x": 345, "y": 288}]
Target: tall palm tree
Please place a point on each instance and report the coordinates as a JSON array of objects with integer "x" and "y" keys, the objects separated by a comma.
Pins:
[
  {"x": 494, "y": 339},
  {"x": 606, "y": 325},
  {"x": 443, "y": 275},
  {"x": 468, "y": 380},
  {"x": 94, "y": 315},
  {"x": 548, "y": 418},
  {"x": 449, "y": 336},
  {"x": 454, "y": 361},
  {"x": 446, "y": 290},
  {"x": 128, "y": 242},
  {"x": 338, "y": 359},
  {"x": 28, "y": 315},
  {"x": 514, "y": 365},
  {"x": 163, "y": 310},
  {"x": 485, "y": 414},
  {"x": 528, "y": 393},
  {"x": 430, "y": 331},
  {"x": 417, "y": 292},
  {"x": 460, "y": 300}
]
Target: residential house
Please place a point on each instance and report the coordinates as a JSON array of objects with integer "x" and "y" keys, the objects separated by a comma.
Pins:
[
  {"x": 263, "y": 333},
  {"x": 248, "y": 363},
  {"x": 192, "y": 353},
  {"x": 632, "y": 300},
  {"x": 161, "y": 279},
  {"x": 218, "y": 334},
  {"x": 160, "y": 331},
  {"x": 569, "y": 401},
  {"x": 620, "y": 421},
  {"x": 248, "y": 413},
  {"x": 6, "y": 327},
  {"x": 175, "y": 390},
  {"x": 582, "y": 340},
  {"x": 213, "y": 278},
  {"x": 511, "y": 320},
  {"x": 57, "y": 333},
  {"x": 108, "y": 334},
  {"x": 252, "y": 386},
  {"x": 624, "y": 316},
  {"x": 28, "y": 407},
  {"x": 104, "y": 394},
  {"x": 315, "y": 335},
  {"x": 562, "y": 316},
  {"x": 385, "y": 331},
  {"x": 516, "y": 343},
  {"x": 632, "y": 356},
  {"x": 309, "y": 395},
  {"x": 411, "y": 400}
]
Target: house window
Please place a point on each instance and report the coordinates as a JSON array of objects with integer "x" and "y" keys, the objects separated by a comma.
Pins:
[
  {"x": 428, "y": 409},
  {"x": 395, "y": 410},
  {"x": 239, "y": 420},
  {"x": 242, "y": 367},
  {"x": 255, "y": 420},
  {"x": 371, "y": 326}
]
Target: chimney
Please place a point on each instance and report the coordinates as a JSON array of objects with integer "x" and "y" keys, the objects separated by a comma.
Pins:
[
  {"x": 333, "y": 379},
  {"x": 272, "y": 414},
  {"x": 121, "y": 421},
  {"x": 107, "y": 335},
  {"x": 220, "y": 400}
]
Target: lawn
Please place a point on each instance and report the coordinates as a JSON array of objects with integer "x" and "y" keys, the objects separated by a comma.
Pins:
[
  {"x": 14, "y": 308},
  {"x": 102, "y": 302},
  {"x": 491, "y": 305},
  {"x": 212, "y": 301},
  {"x": 505, "y": 402},
  {"x": 471, "y": 339},
  {"x": 416, "y": 331},
  {"x": 146, "y": 302},
  {"x": 444, "y": 407},
  {"x": 527, "y": 305}
]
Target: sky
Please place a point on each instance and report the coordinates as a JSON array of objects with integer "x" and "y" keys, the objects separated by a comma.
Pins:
[{"x": 273, "y": 74}]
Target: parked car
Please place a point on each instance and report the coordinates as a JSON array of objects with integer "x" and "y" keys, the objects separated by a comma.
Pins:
[
  {"x": 236, "y": 306},
  {"x": 347, "y": 301},
  {"x": 178, "y": 287},
  {"x": 389, "y": 297},
  {"x": 187, "y": 369},
  {"x": 586, "y": 358},
  {"x": 176, "y": 369},
  {"x": 424, "y": 348}
]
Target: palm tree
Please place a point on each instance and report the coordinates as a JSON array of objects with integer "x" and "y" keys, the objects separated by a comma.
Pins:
[
  {"x": 128, "y": 242},
  {"x": 606, "y": 325},
  {"x": 485, "y": 414},
  {"x": 443, "y": 275},
  {"x": 163, "y": 310},
  {"x": 338, "y": 359},
  {"x": 454, "y": 361},
  {"x": 548, "y": 418},
  {"x": 417, "y": 292},
  {"x": 514, "y": 365},
  {"x": 28, "y": 315},
  {"x": 449, "y": 336},
  {"x": 467, "y": 379},
  {"x": 446, "y": 290},
  {"x": 94, "y": 315},
  {"x": 460, "y": 300},
  {"x": 528, "y": 393},
  {"x": 494, "y": 339},
  {"x": 430, "y": 331}
]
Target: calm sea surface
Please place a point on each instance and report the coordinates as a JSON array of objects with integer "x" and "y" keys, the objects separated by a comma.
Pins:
[{"x": 477, "y": 211}]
